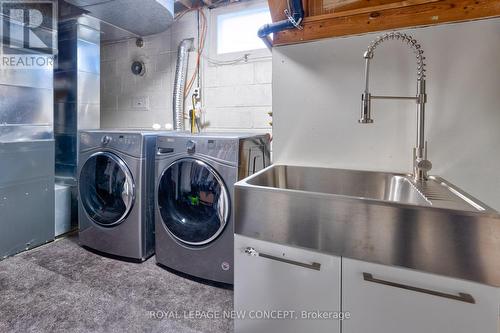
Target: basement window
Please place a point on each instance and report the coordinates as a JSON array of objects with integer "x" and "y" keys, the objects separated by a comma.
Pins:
[{"x": 237, "y": 29}]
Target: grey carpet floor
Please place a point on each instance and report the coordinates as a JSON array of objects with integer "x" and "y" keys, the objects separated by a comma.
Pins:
[{"x": 61, "y": 287}]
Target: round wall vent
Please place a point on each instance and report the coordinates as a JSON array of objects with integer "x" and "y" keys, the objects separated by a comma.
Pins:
[{"x": 138, "y": 68}]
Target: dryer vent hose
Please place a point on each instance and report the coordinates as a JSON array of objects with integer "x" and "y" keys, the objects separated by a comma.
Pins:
[{"x": 185, "y": 47}]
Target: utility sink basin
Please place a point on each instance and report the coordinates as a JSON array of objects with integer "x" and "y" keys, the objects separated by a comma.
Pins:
[
  {"x": 366, "y": 185},
  {"x": 380, "y": 217}
]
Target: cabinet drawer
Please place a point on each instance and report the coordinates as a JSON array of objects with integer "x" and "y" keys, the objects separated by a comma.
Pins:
[
  {"x": 384, "y": 299},
  {"x": 272, "y": 277}
]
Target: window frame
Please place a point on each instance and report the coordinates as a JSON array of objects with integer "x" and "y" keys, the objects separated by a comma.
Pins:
[{"x": 213, "y": 32}]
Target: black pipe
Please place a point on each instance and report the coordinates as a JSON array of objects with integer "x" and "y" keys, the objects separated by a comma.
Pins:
[{"x": 296, "y": 16}]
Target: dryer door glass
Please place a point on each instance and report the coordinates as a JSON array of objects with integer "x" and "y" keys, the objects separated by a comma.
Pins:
[
  {"x": 106, "y": 189},
  {"x": 193, "y": 202}
]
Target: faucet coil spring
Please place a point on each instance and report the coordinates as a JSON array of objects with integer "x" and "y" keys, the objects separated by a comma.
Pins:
[{"x": 416, "y": 47}]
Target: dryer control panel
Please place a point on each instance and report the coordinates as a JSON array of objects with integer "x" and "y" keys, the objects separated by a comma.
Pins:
[
  {"x": 225, "y": 149},
  {"x": 250, "y": 153}
]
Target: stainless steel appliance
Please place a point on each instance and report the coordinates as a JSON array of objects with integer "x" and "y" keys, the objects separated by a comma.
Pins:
[
  {"x": 116, "y": 192},
  {"x": 195, "y": 174}
]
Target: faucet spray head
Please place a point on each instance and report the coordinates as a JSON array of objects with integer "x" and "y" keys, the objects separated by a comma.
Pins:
[{"x": 366, "y": 109}]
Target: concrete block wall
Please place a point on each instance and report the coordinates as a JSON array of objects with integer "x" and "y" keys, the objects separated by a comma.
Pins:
[
  {"x": 235, "y": 97},
  {"x": 238, "y": 97},
  {"x": 122, "y": 91}
]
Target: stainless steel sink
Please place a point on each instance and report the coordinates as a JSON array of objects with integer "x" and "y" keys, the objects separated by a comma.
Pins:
[
  {"x": 386, "y": 218},
  {"x": 367, "y": 185}
]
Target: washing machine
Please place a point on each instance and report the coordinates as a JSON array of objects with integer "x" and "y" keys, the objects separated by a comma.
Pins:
[
  {"x": 195, "y": 176},
  {"x": 116, "y": 192}
]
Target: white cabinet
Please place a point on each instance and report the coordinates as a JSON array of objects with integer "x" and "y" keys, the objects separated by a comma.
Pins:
[
  {"x": 385, "y": 299},
  {"x": 275, "y": 285},
  {"x": 273, "y": 281}
]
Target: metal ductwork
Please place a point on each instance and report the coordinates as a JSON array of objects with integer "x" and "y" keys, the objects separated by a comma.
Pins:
[
  {"x": 129, "y": 18},
  {"x": 181, "y": 68},
  {"x": 76, "y": 99}
]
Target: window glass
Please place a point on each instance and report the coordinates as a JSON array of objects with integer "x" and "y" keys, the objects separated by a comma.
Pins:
[{"x": 237, "y": 32}]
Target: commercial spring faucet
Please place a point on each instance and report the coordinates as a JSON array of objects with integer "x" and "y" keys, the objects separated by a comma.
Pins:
[{"x": 420, "y": 163}]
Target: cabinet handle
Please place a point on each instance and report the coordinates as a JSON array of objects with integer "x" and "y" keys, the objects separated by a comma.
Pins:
[
  {"x": 252, "y": 252},
  {"x": 462, "y": 297}
]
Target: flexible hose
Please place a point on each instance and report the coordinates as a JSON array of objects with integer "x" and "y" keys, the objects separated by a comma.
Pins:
[{"x": 185, "y": 47}]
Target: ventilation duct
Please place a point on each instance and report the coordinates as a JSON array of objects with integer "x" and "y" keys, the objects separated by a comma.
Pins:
[
  {"x": 185, "y": 47},
  {"x": 76, "y": 96},
  {"x": 131, "y": 18}
]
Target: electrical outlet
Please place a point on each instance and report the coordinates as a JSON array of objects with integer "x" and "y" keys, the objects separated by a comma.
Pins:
[{"x": 140, "y": 103}]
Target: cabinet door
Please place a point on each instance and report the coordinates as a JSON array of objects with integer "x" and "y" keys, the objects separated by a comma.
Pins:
[
  {"x": 385, "y": 299},
  {"x": 270, "y": 277}
]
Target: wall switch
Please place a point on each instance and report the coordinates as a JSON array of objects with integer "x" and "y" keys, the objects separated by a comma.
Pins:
[{"x": 140, "y": 103}]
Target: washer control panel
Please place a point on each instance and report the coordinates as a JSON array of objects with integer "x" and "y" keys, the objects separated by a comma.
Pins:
[
  {"x": 130, "y": 143},
  {"x": 128, "y": 139},
  {"x": 120, "y": 141}
]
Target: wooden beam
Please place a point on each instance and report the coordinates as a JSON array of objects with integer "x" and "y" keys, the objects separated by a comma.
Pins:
[
  {"x": 377, "y": 18},
  {"x": 320, "y": 7},
  {"x": 370, "y": 9}
]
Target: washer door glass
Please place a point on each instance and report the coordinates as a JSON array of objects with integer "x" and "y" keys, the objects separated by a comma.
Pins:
[
  {"x": 106, "y": 189},
  {"x": 193, "y": 202}
]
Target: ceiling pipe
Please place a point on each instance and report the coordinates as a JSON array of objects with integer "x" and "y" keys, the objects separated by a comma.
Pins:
[{"x": 294, "y": 13}]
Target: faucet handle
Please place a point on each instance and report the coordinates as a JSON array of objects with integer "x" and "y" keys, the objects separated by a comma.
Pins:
[
  {"x": 421, "y": 165},
  {"x": 424, "y": 164}
]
